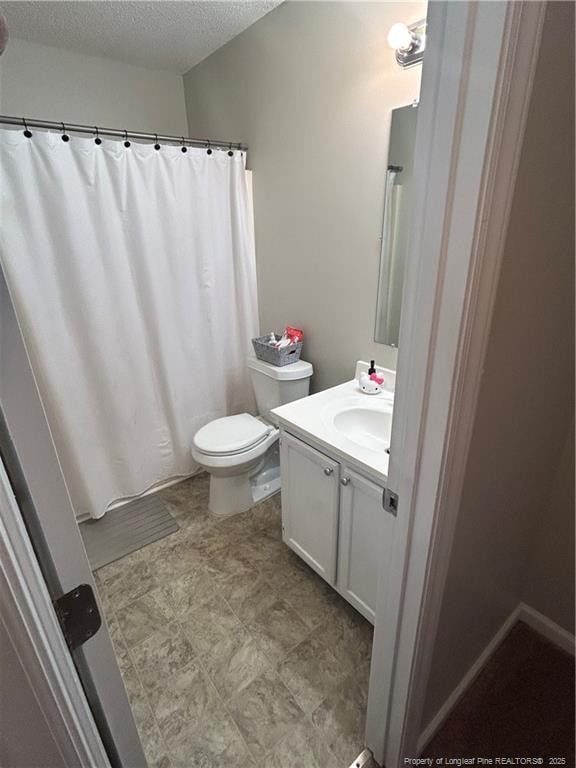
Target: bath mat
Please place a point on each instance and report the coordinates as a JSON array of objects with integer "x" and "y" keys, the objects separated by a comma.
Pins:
[{"x": 125, "y": 529}]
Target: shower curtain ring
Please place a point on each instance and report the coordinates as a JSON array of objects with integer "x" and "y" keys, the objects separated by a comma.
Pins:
[
  {"x": 184, "y": 147},
  {"x": 26, "y": 132},
  {"x": 97, "y": 140},
  {"x": 156, "y": 145},
  {"x": 65, "y": 136},
  {"x": 230, "y": 152},
  {"x": 209, "y": 150},
  {"x": 126, "y": 142}
]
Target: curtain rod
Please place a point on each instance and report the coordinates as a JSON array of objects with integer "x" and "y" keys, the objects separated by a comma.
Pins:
[{"x": 96, "y": 131}]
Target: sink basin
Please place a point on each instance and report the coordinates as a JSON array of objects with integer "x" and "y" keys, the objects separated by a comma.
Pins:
[
  {"x": 366, "y": 424},
  {"x": 367, "y": 427}
]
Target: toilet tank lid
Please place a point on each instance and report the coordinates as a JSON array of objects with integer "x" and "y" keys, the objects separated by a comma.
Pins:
[{"x": 299, "y": 370}]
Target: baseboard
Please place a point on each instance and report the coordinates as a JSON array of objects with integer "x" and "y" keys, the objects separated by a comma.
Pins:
[
  {"x": 546, "y": 627},
  {"x": 434, "y": 724},
  {"x": 537, "y": 621}
]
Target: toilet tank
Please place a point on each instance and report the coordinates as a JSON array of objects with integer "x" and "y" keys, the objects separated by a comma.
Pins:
[{"x": 276, "y": 385}]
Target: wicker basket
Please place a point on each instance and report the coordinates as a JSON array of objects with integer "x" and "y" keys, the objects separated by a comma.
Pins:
[{"x": 265, "y": 351}]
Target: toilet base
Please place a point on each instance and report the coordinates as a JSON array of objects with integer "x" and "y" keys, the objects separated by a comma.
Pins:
[
  {"x": 266, "y": 483},
  {"x": 234, "y": 494}
]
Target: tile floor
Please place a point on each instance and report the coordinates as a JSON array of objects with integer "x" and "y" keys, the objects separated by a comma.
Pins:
[{"x": 234, "y": 653}]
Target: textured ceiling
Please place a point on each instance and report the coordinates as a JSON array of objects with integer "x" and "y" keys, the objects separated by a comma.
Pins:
[{"x": 161, "y": 35}]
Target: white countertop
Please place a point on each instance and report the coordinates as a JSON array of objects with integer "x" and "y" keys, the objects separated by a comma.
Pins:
[{"x": 312, "y": 419}]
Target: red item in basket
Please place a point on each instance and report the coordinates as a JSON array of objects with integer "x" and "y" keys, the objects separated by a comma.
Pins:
[{"x": 294, "y": 334}]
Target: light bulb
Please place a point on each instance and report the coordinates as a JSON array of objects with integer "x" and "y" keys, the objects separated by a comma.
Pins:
[{"x": 399, "y": 37}]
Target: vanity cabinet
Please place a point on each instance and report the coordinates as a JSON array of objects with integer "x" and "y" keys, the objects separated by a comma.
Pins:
[{"x": 333, "y": 517}]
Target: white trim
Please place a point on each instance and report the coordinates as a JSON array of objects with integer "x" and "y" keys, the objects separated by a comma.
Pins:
[
  {"x": 546, "y": 627},
  {"x": 35, "y": 633},
  {"x": 537, "y": 621},
  {"x": 477, "y": 82}
]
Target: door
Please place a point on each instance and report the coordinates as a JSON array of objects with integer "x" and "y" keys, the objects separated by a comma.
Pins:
[
  {"x": 310, "y": 489},
  {"x": 363, "y": 542},
  {"x": 38, "y": 485}
]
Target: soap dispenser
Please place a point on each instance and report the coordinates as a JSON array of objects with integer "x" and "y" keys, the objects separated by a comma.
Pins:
[{"x": 370, "y": 383}]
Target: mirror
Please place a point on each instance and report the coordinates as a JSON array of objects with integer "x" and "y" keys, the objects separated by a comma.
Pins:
[{"x": 396, "y": 223}]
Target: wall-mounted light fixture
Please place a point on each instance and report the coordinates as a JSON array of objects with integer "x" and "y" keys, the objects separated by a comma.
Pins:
[{"x": 409, "y": 42}]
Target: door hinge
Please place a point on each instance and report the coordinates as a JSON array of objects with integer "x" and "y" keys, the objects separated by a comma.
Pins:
[
  {"x": 390, "y": 501},
  {"x": 78, "y": 615},
  {"x": 364, "y": 759}
]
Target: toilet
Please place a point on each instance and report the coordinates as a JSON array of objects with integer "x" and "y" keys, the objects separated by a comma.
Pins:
[{"x": 241, "y": 452}]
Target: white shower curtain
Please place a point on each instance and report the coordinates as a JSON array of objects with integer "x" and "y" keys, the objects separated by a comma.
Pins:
[{"x": 133, "y": 275}]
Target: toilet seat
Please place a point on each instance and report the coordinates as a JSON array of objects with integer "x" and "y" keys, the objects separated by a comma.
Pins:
[
  {"x": 222, "y": 461},
  {"x": 231, "y": 435}
]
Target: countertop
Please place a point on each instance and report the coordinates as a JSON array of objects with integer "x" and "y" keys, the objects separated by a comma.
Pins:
[{"x": 311, "y": 418}]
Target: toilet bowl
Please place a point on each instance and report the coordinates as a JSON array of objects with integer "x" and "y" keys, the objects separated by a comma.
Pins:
[{"x": 241, "y": 452}]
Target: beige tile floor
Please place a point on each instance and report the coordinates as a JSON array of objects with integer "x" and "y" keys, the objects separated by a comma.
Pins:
[{"x": 233, "y": 652}]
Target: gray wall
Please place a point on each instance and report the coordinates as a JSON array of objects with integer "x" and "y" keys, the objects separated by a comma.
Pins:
[
  {"x": 311, "y": 87},
  {"x": 55, "y": 84},
  {"x": 549, "y": 574},
  {"x": 514, "y": 538}
]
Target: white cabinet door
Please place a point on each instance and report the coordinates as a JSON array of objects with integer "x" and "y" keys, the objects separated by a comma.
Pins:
[
  {"x": 310, "y": 490},
  {"x": 364, "y": 540}
]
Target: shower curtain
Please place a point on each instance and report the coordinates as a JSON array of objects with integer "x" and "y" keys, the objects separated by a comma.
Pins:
[{"x": 132, "y": 271}]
